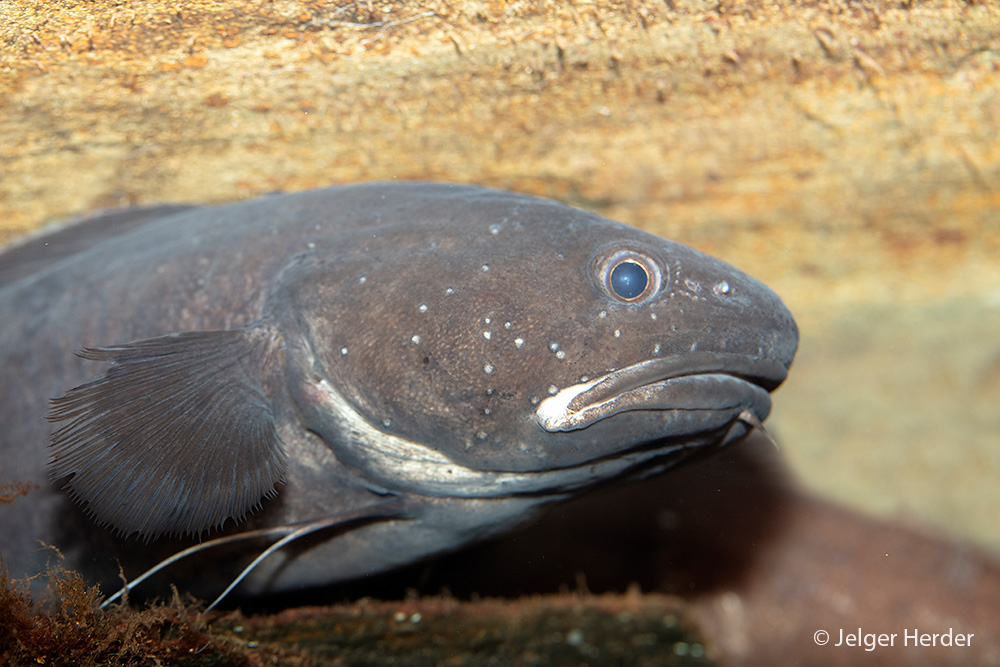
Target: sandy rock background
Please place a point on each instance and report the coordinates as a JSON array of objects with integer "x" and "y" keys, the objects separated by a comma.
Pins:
[{"x": 846, "y": 152}]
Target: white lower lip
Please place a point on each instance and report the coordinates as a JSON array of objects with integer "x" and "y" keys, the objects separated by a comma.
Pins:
[
  {"x": 558, "y": 412},
  {"x": 554, "y": 414}
]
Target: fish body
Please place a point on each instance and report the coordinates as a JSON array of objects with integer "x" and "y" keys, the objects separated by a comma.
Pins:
[{"x": 428, "y": 363}]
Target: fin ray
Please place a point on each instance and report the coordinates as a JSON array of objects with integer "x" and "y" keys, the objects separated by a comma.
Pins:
[{"x": 176, "y": 437}]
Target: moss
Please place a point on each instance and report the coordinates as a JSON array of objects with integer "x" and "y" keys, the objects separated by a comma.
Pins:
[{"x": 71, "y": 629}]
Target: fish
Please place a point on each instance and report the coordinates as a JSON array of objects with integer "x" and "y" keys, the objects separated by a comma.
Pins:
[{"x": 350, "y": 379}]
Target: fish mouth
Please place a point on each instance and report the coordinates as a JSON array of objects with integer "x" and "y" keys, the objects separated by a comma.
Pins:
[{"x": 710, "y": 382}]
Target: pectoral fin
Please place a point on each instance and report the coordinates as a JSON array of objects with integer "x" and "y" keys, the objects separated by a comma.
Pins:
[{"x": 176, "y": 437}]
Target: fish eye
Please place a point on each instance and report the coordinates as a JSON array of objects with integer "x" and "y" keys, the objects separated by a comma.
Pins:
[
  {"x": 628, "y": 280},
  {"x": 630, "y": 276}
]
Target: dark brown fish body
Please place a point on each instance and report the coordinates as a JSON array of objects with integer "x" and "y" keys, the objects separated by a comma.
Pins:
[{"x": 437, "y": 360}]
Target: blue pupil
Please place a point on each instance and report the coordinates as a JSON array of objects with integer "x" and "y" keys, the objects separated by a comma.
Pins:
[{"x": 628, "y": 280}]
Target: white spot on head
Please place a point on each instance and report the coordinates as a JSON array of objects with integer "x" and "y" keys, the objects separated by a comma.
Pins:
[
  {"x": 559, "y": 255},
  {"x": 656, "y": 349},
  {"x": 519, "y": 343},
  {"x": 560, "y": 355},
  {"x": 311, "y": 245},
  {"x": 422, "y": 307},
  {"x": 694, "y": 346},
  {"x": 618, "y": 333},
  {"x": 343, "y": 351},
  {"x": 553, "y": 390},
  {"x": 485, "y": 267},
  {"x": 535, "y": 400},
  {"x": 722, "y": 289},
  {"x": 386, "y": 422},
  {"x": 415, "y": 339},
  {"x": 506, "y": 325},
  {"x": 482, "y": 435},
  {"x": 487, "y": 320},
  {"x": 487, "y": 411},
  {"x": 652, "y": 316},
  {"x": 489, "y": 392},
  {"x": 362, "y": 280},
  {"x": 602, "y": 314},
  {"x": 487, "y": 335},
  {"x": 495, "y": 229},
  {"x": 449, "y": 290},
  {"x": 488, "y": 369},
  {"x": 553, "y": 346}
]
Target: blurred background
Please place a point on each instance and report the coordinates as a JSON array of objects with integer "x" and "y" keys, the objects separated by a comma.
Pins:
[{"x": 845, "y": 153}]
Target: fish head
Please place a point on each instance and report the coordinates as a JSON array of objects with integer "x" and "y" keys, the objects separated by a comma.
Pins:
[{"x": 484, "y": 343}]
